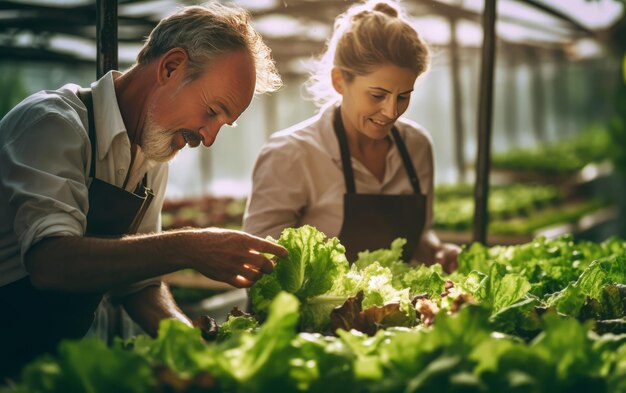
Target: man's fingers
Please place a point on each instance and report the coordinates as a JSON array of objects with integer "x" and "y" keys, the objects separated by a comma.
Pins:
[
  {"x": 251, "y": 272},
  {"x": 240, "y": 281},
  {"x": 267, "y": 266},
  {"x": 260, "y": 262},
  {"x": 269, "y": 247}
]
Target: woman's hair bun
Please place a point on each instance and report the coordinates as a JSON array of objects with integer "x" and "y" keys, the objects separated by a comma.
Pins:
[{"x": 386, "y": 8}]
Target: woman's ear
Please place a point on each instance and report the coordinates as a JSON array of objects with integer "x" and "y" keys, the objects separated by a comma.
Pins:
[
  {"x": 172, "y": 65},
  {"x": 337, "y": 79}
]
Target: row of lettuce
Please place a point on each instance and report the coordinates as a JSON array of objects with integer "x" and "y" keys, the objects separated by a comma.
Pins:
[
  {"x": 547, "y": 316},
  {"x": 563, "y": 156},
  {"x": 584, "y": 280},
  {"x": 514, "y": 209},
  {"x": 521, "y": 209}
]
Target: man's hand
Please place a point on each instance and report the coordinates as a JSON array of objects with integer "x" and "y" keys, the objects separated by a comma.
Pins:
[{"x": 233, "y": 257}]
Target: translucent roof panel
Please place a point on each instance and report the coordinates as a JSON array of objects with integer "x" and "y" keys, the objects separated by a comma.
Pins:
[{"x": 300, "y": 28}]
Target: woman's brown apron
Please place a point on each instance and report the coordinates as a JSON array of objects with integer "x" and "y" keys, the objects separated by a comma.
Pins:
[
  {"x": 35, "y": 321},
  {"x": 373, "y": 221}
]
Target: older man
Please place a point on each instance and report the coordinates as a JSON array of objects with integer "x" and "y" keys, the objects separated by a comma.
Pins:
[{"x": 83, "y": 171}]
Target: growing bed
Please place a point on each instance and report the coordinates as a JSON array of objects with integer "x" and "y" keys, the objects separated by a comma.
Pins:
[{"x": 546, "y": 316}]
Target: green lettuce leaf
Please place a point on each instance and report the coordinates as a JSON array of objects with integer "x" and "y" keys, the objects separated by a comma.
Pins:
[
  {"x": 501, "y": 289},
  {"x": 252, "y": 362},
  {"x": 236, "y": 325},
  {"x": 309, "y": 270},
  {"x": 88, "y": 366}
]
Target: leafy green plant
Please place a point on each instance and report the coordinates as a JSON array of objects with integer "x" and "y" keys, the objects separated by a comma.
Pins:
[
  {"x": 455, "y": 204},
  {"x": 511, "y": 318},
  {"x": 565, "y": 156}
]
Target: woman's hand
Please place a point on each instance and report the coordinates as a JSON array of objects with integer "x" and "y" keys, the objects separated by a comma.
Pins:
[
  {"x": 448, "y": 256},
  {"x": 432, "y": 250}
]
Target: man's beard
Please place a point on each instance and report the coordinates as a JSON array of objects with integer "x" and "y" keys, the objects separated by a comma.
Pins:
[{"x": 156, "y": 141}]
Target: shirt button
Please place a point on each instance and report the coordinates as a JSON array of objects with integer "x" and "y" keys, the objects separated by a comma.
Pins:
[{"x": 120, "y": 171}]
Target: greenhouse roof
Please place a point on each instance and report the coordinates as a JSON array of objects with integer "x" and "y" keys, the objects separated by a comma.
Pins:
[{"x": 64, "y": 30}]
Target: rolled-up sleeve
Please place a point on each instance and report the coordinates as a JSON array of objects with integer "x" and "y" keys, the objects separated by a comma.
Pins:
[{"x": 44, "y": 178}]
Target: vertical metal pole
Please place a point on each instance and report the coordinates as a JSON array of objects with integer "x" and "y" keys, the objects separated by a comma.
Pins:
[
  {"x": 106, "y": 36},
  {"x": 457, "y": 106},
  {"x": 485, "y": 107}
]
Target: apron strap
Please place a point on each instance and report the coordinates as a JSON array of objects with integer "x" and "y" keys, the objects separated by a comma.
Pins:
[
  {"x": 345, "y": 152},
  {"x": 348, "y": 174},
  {"x": 406, "y": 159}
]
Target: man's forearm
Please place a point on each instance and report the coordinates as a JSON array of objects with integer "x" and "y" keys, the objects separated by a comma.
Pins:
[
  {"x": 83, "y": 264},
  {"x": 151, "y": 305},
  {"x": 99, "y": 264}
]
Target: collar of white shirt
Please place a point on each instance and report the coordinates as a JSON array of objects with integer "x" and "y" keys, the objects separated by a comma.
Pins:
[{"x": 107, "y": 114}]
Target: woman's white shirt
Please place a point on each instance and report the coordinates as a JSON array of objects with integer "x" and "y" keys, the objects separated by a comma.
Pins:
[{"x": 298, "y": 177}]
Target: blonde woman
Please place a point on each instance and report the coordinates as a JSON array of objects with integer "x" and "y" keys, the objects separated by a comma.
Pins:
[{"x": 356, "y": 170}]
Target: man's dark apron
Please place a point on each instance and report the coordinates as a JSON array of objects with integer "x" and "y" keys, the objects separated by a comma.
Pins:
[
  {"x": 373, "y": 221},
  {"x": 35, "y": 321}
]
